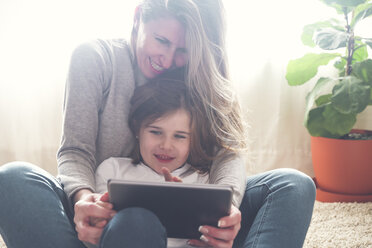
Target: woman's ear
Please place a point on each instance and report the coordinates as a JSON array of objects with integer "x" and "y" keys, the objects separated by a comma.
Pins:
[{"x": 137, "y": 18}]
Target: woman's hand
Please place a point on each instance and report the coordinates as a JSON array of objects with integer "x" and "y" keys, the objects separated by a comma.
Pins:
[
  {"x": 220, "y": 237},
  {"x": 224, "y": 235},
  {"x": 92, "y": 212}
]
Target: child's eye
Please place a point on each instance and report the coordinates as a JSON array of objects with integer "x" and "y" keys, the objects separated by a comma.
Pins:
[
  {"x": 155, "y": 132},
  {"x": 179, "y": 136}
]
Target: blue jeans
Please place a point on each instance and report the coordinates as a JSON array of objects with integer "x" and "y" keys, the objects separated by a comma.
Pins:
[
  {"x": 34, "y": 212},
  {"x": 143, "y": 227}
]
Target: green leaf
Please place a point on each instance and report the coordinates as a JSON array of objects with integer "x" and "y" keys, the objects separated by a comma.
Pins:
[
  {"x": 323, "y": 99},
  {"x": 361, "y": 12},
  {"x": 350, "y": 96},
  {"x": 301, "y": 70},
  {"x": 369, "y": 43},
  {"x": 340, "y": 64},
  {"x": 330, "y": 39},
  {"x": 360, "y": 53},
  {"x": 363, "y": 71},
  {"x": 336, "y": 123},
  {"x": 325, "y": 121},
  {"x": 321, "y": 85},
  {"x": 308, "y": 30},
  {"x": 343, "y": 6},
  {"x": 314, "y": 122},
  {"x": 345, "y": 3}
]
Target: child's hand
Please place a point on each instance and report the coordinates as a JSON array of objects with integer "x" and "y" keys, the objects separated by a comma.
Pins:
[{"x": 168, "y": 176}]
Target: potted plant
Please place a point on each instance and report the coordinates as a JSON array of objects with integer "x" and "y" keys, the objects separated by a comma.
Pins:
[{"x": 342, "y": 156}]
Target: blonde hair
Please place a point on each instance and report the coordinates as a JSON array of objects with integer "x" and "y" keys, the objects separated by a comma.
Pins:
[{"x": 207, "y": 75}]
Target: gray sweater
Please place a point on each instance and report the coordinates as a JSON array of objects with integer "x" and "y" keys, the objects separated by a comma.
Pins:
[{"x": 100, "y": 83}]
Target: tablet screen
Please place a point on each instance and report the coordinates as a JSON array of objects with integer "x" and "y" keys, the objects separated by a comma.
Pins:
[{"x": 181, "y": 207}]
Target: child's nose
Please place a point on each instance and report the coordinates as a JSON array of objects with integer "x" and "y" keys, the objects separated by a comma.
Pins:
[{"x": 166, "y": 143}]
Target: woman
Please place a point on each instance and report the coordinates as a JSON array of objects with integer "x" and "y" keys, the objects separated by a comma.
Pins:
[{"x": 276, "y": 207}]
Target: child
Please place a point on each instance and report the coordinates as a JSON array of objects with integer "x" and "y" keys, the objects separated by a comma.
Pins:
[{"x": 162, "y": 120}]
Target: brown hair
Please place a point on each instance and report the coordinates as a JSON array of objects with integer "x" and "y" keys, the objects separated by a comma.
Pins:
[{"x": 164, "y": 95}]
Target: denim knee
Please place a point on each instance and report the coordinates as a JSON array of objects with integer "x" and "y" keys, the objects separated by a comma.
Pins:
[
  {"x": 134, "y": 227},
  {"x": 298, "y": 183},
  {"x": 138, "y": 218},
  {"x": 12, "y": 174},
  {"x": 18, "y": 173}
]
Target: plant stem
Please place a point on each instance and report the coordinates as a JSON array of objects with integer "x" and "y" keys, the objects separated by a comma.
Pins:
[{"x": 350, "y": 45}]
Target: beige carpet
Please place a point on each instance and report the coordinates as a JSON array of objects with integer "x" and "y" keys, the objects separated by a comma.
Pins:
[
  {"x": 340, "y": 225},
  {"x": 336, "y": 225}
]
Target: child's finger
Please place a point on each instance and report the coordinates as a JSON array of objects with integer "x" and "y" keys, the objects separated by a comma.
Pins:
[
  {"x": 167, "y": 175},
  {"x": 177, "y": 179}
]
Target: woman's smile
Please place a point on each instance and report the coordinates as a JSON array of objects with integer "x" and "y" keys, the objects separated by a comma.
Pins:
[{"x": 156, "y": 68}]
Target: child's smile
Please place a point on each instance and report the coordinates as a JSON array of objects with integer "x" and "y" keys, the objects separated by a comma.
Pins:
[{"x": 163, "y": 158}]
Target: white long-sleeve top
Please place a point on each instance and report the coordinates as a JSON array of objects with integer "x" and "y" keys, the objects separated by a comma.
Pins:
[{"x": 122, "y": 168}]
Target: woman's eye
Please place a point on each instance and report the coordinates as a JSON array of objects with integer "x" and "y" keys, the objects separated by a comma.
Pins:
[
  {"x": 162, "y": 41},
  {"x": 182, "y": 51}
]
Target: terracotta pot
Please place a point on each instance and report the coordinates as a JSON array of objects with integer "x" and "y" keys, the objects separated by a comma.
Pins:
[
  {"x": 343, "y": 166},
  {"x": 327, "y": 196}
]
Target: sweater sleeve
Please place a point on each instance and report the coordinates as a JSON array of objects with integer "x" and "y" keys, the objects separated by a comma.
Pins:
[
  {"x": 229, "y": 169},
  {"x": 87, "y": 81}
]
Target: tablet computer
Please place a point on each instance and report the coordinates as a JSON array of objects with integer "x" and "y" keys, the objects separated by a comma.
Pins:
[{"x": 181, "y": 207}]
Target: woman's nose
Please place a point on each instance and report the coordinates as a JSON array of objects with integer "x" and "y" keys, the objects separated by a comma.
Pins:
[{"x": 167, "y": 60}]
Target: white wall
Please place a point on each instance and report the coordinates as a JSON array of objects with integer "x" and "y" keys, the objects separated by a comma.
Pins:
[{"x": 37, "y": 38}]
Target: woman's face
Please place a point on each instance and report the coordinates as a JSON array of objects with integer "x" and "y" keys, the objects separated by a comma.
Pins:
[
  {"x": 166, "y": 141},
  {"x": 160, "y": 45}
]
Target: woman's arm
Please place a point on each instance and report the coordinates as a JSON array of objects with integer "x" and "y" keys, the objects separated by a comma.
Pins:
[
  {"x": 76, "y": 156},
  {"x": 84, "y": 91},
  {"x": 230, "y": 169}
]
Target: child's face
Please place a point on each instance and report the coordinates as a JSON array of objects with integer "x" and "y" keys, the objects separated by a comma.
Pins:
[{"x": 166, "y": 141}]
